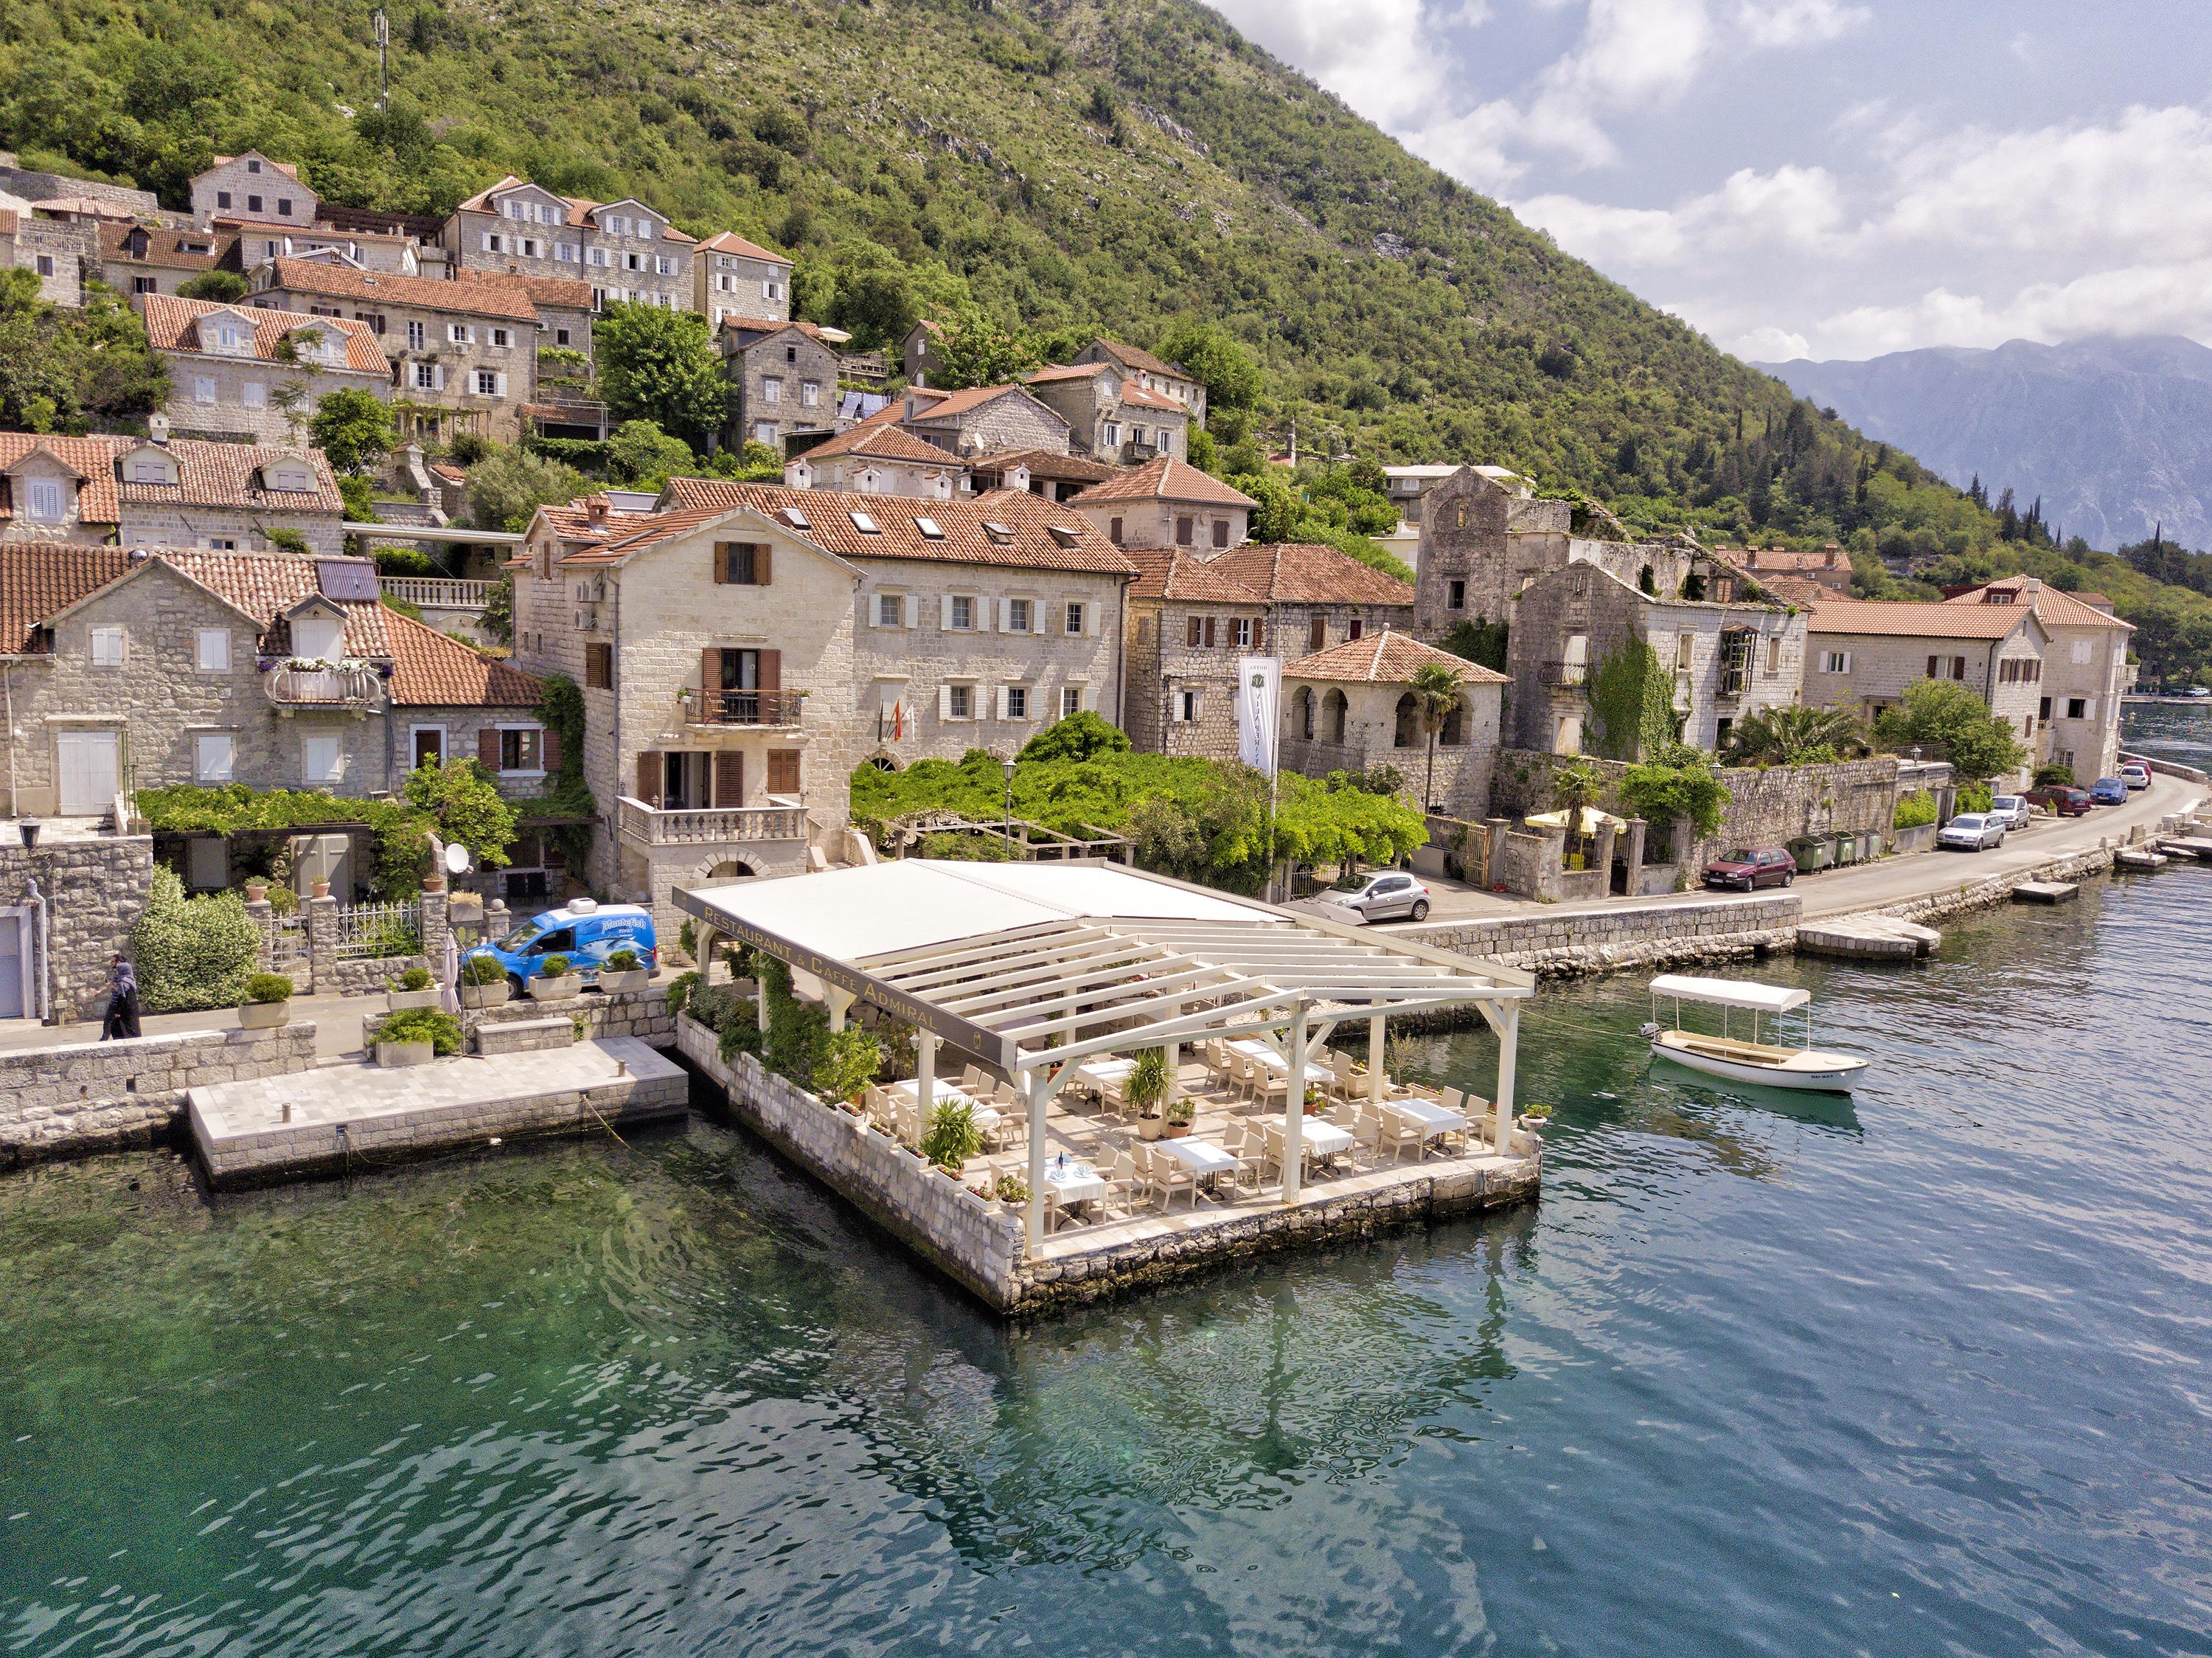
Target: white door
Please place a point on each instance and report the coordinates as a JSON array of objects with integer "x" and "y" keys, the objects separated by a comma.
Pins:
[
  {"x": 11, "y": 968},
  {"x": 90, "y": 775}
]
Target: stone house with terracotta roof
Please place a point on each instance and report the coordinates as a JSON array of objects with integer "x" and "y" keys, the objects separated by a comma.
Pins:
[
  {"x": 243, "y": 371},
  {"x": 746, "y": 646},
  {"x": 880, "y": 457},
  {"x": 740, "y": 278},
  {"x": 1153, "y": 374},
  {"x": 982, "y": 420},
  {"x": 1167, "y": 502},
  {"x": 1830, "y": 568},
  {"x": 625, "y": 251},
  {"x": 142, "y": 259},
  {"x": 57, "y": 244},
  {"x": 1350, "y": 708},
  {"x": 783, "y": 380},
  {"x": 253, "y": 187},
  {"x": 1111, "y": 414},
  {"x": 2086, "y": 673},
  {"x": 1045, "y": 474},
  {"x": 181, "y": 492},
  {"x": 131, "y": 668}
]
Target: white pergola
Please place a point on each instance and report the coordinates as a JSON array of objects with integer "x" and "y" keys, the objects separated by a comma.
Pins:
[{"x": 1034, "y": 968}]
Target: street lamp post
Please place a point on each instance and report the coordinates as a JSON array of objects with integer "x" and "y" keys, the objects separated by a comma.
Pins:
[{"x": 1008, "y": 767}]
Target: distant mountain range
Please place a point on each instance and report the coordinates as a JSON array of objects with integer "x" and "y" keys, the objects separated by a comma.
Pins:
[{"x": 2115, "y": 435}]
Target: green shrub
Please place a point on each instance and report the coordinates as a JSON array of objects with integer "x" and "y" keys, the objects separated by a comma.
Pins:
[
  {"x": 680, "y": 992},
  {"x": 482, "y": 969},
  {"x": 414, "y": 978},
  {"x": 951, "y": 1137},
  {"x": 262, "y": 989},
  {"x": 850, "y": 1059},
  {"x": 1913, "y": 810},
  {"x": 1977, "y": 797},
  {"x": 622, "y": 961},
  {"x": 553, "y": 966},
  {"x": 1659, "y": 794},
  {"x": 191, "y": 954},
  {"x": 1012, "y": 1189},
  {"x": 440, "y": 1030},
  {"x": 2048, "y": 777}
]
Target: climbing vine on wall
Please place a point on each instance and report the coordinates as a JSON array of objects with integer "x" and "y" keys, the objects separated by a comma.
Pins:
[
  {"x": 1632, "y": 698},
  {"x": 567, "y": 795}
]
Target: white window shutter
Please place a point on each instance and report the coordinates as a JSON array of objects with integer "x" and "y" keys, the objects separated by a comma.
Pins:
[
  {"x": 487, "y": 242},
  {"x": 944, "y": 623},
  {"x": 1091, "y": 699},
  {"x": 1005, "y": 700},
  {"x": 913, "y": 610},
  {"x": 437, "y": 377},
  {"x": 499, "y": 384},
  {"x": 1037, "y": 609},
  {"x": 944, "y": 702},
  {"x": 1002, "y": 616}
]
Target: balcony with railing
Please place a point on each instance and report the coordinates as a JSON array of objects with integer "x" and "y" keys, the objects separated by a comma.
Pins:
[
  {"x": 1564, "y": 673},
  {"x": 1135, "y": 453},
  {"x": 349, "y": 685},
  {"x": 710, "y": 826},
  {"x": 435, "y": 592},
  {"x": 744, "y": 708}
]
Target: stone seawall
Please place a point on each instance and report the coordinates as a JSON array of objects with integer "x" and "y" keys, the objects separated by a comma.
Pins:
[
  {"x": 641, "y": 1013},
  {"x": 1579, "y": 943},
  {"x": 79, "y": 1098},
  {"x": 1996, "y": 889}
]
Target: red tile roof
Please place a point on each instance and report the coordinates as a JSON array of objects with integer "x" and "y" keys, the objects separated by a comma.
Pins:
[
  {"x": 489, "y": 295},
  {"x": 767, "y": 327},
  {"x": 1307, "y": 573},
  {"x": 164, "y": 246},
  {"x": 731, "y": 242},
  {"x": 430, "y": 670},
  {"x": 1164, "y": 478},
  {"x": 1131, "y": 356},
  {"x": 38, "y": 578},
  {"x": 1385, "y": 658},
  {"x": 880, "y": 436},
  {"x": 1926, "y": 621},
  {"x": 2052, "y": 608},
  {"x": 1031, "y": 544},
  {"x": 950, "y": 405},
  {"x": 290, "y": 169},
  {"x": 1178, "y": 575},
  {"x": 580, "y": 208},
  {"x": 1045, "y": 463},
  {"x": 1053, "y": 371},
  {"x": 209, "y": 474},
  {"x": 172, "y": 325},
  {"x": 564, "y": 292}
]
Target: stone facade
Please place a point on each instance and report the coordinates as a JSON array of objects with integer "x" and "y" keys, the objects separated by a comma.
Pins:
[
  {"x": 68, "y": 905},
  {"x": 1182, "y": 677},
  {"x": 55, "y": 250},
  {"x": 33, "y": 186},
  {"x": 2085, "y": 676},
  {"x": 1343, "y": 725},
  {"x": 253, "y": 187},
  {"x": 781, "y": 384},
  {"x": 226, "y": 395},
  {"x": 984, "y": 420},
  {"x": 739, "y": 278},
  {"x": 96, "y": 491},
  {"x": 625, "y": 250},
  {"x": 1860, "y": 658},
  {"x": 1109, "y": 416},
  {"x": 1556, "y": 945},
  {"x": 86, "y": 1097}
]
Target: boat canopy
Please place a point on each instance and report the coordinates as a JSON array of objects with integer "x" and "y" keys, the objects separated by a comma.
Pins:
[{"x": 1730, "y": 993}]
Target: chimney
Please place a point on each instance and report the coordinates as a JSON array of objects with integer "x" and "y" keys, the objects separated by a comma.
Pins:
[
  {"x": 157, "y": 427},
  {"x": 595, "y": 510}
]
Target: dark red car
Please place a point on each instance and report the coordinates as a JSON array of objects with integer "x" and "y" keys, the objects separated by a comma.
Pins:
[
  {"x": 1748, "y": 867},
  {"x": 2062, "y": 801}
]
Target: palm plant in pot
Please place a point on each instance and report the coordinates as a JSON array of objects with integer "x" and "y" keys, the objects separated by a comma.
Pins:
[
  {"x": 483, "y": 982},
  {"x": 952, "y": 1136},
  {"x": 412, "y": 989},
  {"x": 554, "y": 980},
  {"x": 268, "y": 1003},
  {"x": 623, "y": 971},
  {"x": 1145, "y": 1089}
]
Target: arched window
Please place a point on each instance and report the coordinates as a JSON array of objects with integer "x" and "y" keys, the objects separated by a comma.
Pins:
[
  {"x": 1303, "y": 705},
  {"x": 1454, "y": 727},
  {"x": 1409, "y": 722},
  {"x": 1333, "y": 708}
]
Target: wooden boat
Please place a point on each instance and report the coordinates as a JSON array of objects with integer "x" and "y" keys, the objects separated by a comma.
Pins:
[{"x": 1728, "y": 1056}]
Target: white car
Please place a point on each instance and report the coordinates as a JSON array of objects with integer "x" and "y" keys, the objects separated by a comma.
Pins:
[
  {"x": 2136, "y": 775},
  {"x": 1973, "y": 832},
  {"x": 1389, "y": 895},
  {"x": 2012, "y": 810}
]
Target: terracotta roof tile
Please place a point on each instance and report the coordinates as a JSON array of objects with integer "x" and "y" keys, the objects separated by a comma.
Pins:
[
  {"x": 1164, "y": 478},
  {"x": 172, "y": 325},
  {"x": 1927, "y": 621},
  {"x": 38, "y": 578},
  {"x": 768, "y": 327},
  {"x": 564, "y": 292},
  {"x": 1386, "y": 658},
  {"x": 2052, "y": 608},
  {"x": 950, "y": 405},
  {"x": 209, "y": 473},
  {"x": 487, "y": 296},
  {"x": 164, "y": 246},
  {"x": 290, "y": 169},
  {"x": 731, "y": 242},
  {"x": 430, "y": 670},
  {"x": 1143, "y": 397},
  {"x": 1046, "y": 463},
  {"x": 880, "y": 436},
  {"x": 1031, "y": 523},
  {"x": 1177, "y": 575},
  {"x": 1131, "y": 356},
  {"x": 1307, "y": 573},
  {"x": 1053, "y": 371}
]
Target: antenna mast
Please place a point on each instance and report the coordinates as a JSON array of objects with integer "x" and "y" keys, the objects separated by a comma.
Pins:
[{"x": 383, "y": 62}]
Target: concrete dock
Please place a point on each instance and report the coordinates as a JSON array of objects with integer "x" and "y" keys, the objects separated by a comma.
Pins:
[
  {"x": 1868, "y": 937},
  {"x": 355, "y": 1115}
]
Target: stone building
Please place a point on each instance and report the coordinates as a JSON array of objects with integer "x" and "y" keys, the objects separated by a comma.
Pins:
[
  {"x": 2085, "y": 673},
  {"x": 241, "y": 371},
  {"x": 464, "y": 354},
  {"x": 783, "y": 380},
  {"x": 744, "y": 649},
  {"x": 131, "y": 668},
  {"x": 1167, "y": 502},
  {"x": 1350, "y": 708},
  {"x": 880, "y": 457},
  {"x": 181, "y": 492},
  {"x": 1861, "y": 655},
  {"x": 981, "y": 420},
  {"x": 1830, "y": 569},
  {"x": 1110, "y": 414},
  {"x": 919, "y": 356},
  {"x": 1043, "y": 473},
  {"x": 253, "y": 188},
  {"x": 1151, "y": 372},
  {"x": 139, "y": 258},
  {"x": 54, "y": 243},
  {"x": 1721, "y": 660},
  {"x": 740, "y": 278},
  {"x": 624, "y": 250},
  {"x": 30, "y": 185}
]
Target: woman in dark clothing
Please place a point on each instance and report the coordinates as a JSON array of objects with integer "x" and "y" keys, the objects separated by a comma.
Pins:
[{"x": 122, "y": 1001}]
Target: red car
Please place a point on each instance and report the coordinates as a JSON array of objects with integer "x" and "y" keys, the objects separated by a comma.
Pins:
[
  {"x": 1748, "y": 867},
  {"x": 2062, "y": 801}
]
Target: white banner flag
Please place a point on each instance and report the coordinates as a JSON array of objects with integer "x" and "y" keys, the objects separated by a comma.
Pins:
[{"x": 1259, "y": 711}]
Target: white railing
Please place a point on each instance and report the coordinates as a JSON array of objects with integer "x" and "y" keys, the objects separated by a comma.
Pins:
[
  {"x": 369, "y": 930},
  {"x": 323, "y": 687},
  {"x": 655, "y": 825},
  {"x": 436, "y": 592}
]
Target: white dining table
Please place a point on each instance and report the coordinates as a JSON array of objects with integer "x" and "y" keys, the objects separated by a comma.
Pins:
[
  {"x": 1106, "y": 1076},
  {"x": 1320, "y": 1136},
  {"x": 1435, "y": 1120},
  {"x": 1253, "y": 1048},
  {"x": 1202, "y": 1157},
  {"x": 987, "y": 1115},
  {"x": 1075, "y": 1182}
]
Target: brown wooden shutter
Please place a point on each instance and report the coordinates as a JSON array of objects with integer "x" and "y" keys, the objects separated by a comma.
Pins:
[
  {"x": 1209, "y": 633},
  {"x": 1260, "y": 634},
  {"x": 550, "y": 756},
  {"x": 1316, "y": 634},
  {"x": 771, "y": 670},
  {"x": 487, "y": 748},
  {"x": 761, "y": 565},
  {"x": 721, "y": 563},
  {"x": 710, "y": 677},
  {"x": 783, "y": 771},
  {"x": 648, "y": 778},
  {"x": 730, "y": 777},
  {"x": 1194, "y": 632}
]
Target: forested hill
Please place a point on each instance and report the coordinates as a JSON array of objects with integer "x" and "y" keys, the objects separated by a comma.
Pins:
[{"x": 1064, "y": 165}]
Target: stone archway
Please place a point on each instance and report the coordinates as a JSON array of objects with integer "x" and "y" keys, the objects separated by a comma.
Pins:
[{"x": 884, "y": 761}]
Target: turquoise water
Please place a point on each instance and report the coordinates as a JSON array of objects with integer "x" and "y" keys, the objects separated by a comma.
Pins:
[{"x": 1928, "y": 1372}]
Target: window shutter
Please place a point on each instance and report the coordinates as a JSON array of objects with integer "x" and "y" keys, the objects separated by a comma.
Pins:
[
  {"x": 1209, "y": 633},
  {"x": 1002, "y": 615},
  {"x": 1260, "y": 634},
  {"x": 487, "y": 748},
  {"x": 1005, "y": 702},
  {"x": 945, "y": 611},
  {"x": 730, "y": 777},
  {"x": 710, "y": 676},
  {"x": 499, "y": 384},
  {"x": 549, "y": 753},
  {"x": 1931, "y": 667},
  {"x": 771, "y": 670},
  {"x": 487, "y": 241},
  {"x": 1195, "y": 631},
  {"x": 648, "y": 778},
  {"x": 1037, "y": 616},
  {"x": 437, "y": 376},
  {"x": 913, "y": 611},
  {"x": 944, "y": 702},
  {"x": 721, "y": 563}
]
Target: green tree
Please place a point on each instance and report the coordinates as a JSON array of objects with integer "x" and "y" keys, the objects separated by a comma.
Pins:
[
  {"x": 78, "y": 369},
  {"x": 1081, "y": 736},
  {"x": 978, "y": 349},
  {"x": 498, "y": 620},
  {"x": 507, "y": 485},
  {"x": 1220, "y": 362},
  {"x": 1794, "y": 736},
  {"x": 360, "y": 502},
  {"x": 659, "y": 365},
  {"x": 191, "y": 953},
  {"x": 353, "y": 429},
  {"x": 468, "y": 806},
  {"x": 223, "y": 287},
  {"x": 1482, "y": 641},
  {"x": 1435, "y": 693},
  {"x": 1979, "y": 744},
  {"x": 639, "y": 452}
]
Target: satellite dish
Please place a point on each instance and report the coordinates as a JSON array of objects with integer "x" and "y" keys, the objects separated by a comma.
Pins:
[{"x": 457, "y": 859}]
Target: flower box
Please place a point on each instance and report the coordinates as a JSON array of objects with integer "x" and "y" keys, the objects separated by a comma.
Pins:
[
  {"x": 395, "y": 1000},
  {"x": 484, "y": 996},
  {"x": 614, "y": 983},
  {"x": 553, "y": 989},
  {"x": 392, "y": 1056},
  {"x": 263, "y": 1015}
]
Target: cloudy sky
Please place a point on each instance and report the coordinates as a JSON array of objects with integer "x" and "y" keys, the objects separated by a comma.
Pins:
[{"x": 1815, "y": 178}]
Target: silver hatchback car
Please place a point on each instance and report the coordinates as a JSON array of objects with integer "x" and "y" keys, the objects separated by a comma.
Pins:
[{"x": 1388, "y": 895}]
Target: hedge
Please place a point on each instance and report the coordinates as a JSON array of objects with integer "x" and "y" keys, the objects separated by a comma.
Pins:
[{"x": 192, "y": 953}]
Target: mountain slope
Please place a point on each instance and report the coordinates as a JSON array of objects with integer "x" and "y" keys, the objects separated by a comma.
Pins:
[{"x": 2114, "y": 435}]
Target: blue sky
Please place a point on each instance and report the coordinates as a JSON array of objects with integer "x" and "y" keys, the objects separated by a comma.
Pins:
[{"x": 1822, "y": 177}]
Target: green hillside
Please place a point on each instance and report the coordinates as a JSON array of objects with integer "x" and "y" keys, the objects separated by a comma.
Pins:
[{"x": 1061, "y": 164}]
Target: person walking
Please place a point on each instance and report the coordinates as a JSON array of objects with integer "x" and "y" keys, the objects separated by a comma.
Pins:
[{"x": 122, "y": 1018}]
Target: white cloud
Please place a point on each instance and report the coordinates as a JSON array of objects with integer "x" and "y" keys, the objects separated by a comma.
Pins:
[
  {"x": 1384, "y": 57},
  {"x": 2170, "y": 298},
  {"x": 1797, "y": 23},
  {"x": 1795, "y": 207},
  {"x": 1770, "y": 345}
]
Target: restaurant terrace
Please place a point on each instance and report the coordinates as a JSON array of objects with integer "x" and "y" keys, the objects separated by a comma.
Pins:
[{"x": 1036, "y": 990}]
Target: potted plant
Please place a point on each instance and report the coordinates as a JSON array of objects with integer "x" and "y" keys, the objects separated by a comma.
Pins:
[
  {"x": 951, "y": 1137},
  {"x": 320, "y": 889},
  {"x": 257, "y": 891},
  {"x": 1316, "y": 1102},
  {"x": 414, "y": 1036},
  {"x": 1013, "y": 1190},
  {"x": 850, "y": 1059},
  {"x": 1144, "y": 1088},
  {"x": 268, "y": 1003},
  {"x": 1179, "y": 1116},
  {"x": 1533, "y": 1118},
  {"x": 554, "y": 980},
  {"x": 412, "y": 989},
  {"x": 623, "y": 970},
  {"x": 483, "y": 982}
]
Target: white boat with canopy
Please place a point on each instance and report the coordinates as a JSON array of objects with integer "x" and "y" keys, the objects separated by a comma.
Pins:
[{"x": 1727, "y": 1055}]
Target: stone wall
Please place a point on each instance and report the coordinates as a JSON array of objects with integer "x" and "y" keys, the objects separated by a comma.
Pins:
[
  {"x": 91, "y": 892},
  {"x": 1570, "y": 944},
  {"x": 83, "y": 1097},
  {"x": 641, "y": 1013}
]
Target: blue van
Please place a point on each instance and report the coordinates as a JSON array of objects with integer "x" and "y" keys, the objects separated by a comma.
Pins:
[{"x": 587, "y": 933}]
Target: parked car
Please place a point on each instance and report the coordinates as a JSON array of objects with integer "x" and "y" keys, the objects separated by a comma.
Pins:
[
  {"x": 1973, "y": 832},
  {"x": 2061, "y": 800},
  {"x": 2136, "y": 775},
  {"x": 1389, "y": 895},
  {"x": 2012, "y": 810},
  {"x": 1748, "y": 868},
  {"x": 586, "y": 932},
  {"x": 2109, "y": 791}
]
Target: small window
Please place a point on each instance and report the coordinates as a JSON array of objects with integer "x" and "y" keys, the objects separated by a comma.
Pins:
[
  {"x": 2077, "y": 708},
  {"x": 48, "y": 500},
  {"x": 487, "y": 382},
  {"x": 795, "y": 518},
  {"x": 1455, "y": 595},
  {"x": 890, "y": 610},
  {"x": 1187, "y": 704},
  {"x": 929, "y": 527},
  {"x": 1018, "y": 701},
  {"x": 426, "y": 376},
  {"x": 865, "y": 523},
  {"x": 214, "y": 754},
  {"x": 1244, "y": 633},
  {"x": 253, "y": 203},
  {"x": 1355, "y": 629},
  {"x": 144, "y": 285},
  {"x": 1071, "y": 700},
  {"x": 321, "y": 759},
  {"x": 599, "y": 666},
  {"x": 960, "y": 612},
  {"x": 960, "y": 701},
  {"x": 213, "y": 652},
  {"x": 222, "y": 198},
  {"x": 107, "y": 647},
  {"x": 1073, "y": 622},
  {"x": 1060, "y": 533},
  {"x": 1774, "y": 655},
  {"x": 999, "y": 534},
  {"x": 1835, "y": 662},
  {"x": 1183, "y": 531},
  {"x": 502, "y": 337},
  {"x": 810, "y": 393},
  {"x": 522, "y": 749},
  {"x": 771, "y": 390},
  {"x": 1221, "y": 532},
  {"x": 1017, "y": 615}
]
